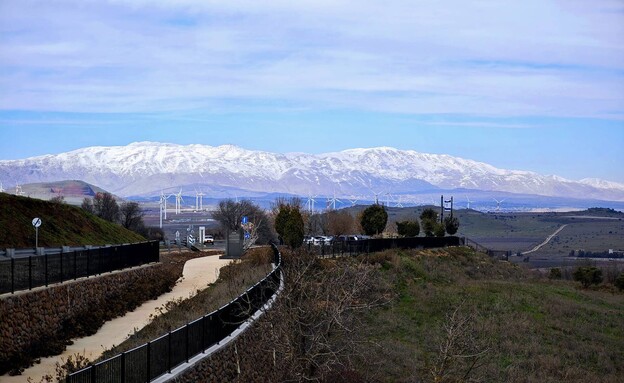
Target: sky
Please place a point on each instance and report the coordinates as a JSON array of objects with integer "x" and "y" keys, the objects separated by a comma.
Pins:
[{"x": 533, "y": 85}]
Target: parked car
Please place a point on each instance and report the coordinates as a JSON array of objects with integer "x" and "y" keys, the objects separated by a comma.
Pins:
[
  {"x": 209, "y": 240},
  {"x": 322, "y": 240}
]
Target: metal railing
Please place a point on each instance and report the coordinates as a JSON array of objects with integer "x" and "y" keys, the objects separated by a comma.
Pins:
[
  {"x": 155, "y": 358},
  {"x": 28, "y": 271},
  {"x": 500, "y": 254},
  {"x": 366, "y": 246}
]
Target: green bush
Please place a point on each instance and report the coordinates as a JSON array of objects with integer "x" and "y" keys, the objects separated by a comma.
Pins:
[
  {"x": 439, "y": 229},
  {"x": 451, "y": 224},
  {"x": 374, "y": 219},
  {"x": 555, "y": 273},
  {"x": 619, "y": 282},
  {"x": 408, "y": 228},
  {"x": 588, "y": 275}
]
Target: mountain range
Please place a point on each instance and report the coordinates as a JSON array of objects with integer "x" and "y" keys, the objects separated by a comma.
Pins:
[{"x": 143, "y": 169}]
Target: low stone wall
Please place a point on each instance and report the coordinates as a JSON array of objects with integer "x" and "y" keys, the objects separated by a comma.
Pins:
[{"x": 40, "y": 323}]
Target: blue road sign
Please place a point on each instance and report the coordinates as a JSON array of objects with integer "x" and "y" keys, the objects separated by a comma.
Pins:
[
  {"x": 245, "y": 220},
  {"x": 247, "y": 235}
]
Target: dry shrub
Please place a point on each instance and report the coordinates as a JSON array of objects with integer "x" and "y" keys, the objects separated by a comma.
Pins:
[{"x": 316, "y": 321}]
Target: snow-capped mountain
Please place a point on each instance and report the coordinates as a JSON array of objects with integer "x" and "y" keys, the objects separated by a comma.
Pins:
[{"x": 146, "y": 168}]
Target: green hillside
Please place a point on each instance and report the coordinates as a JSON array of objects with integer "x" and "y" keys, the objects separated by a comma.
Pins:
[
  {"x": 458, "y": 316},
  {"x": 63, "y": 225}
]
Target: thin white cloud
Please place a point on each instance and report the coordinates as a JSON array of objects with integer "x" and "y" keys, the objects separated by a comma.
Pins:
[{"x": 537, "y": 57}]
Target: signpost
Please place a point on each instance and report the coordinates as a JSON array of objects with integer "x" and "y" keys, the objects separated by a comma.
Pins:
[{"x": 36, "y": 222}]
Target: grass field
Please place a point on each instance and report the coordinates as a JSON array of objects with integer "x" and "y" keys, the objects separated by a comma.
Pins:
[{"x": 494, "y": 321}]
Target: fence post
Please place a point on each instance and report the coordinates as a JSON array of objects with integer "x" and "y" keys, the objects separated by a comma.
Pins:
[
  {"x": 187, "y": 341},
  {"x": 203, "y": 335},
  {"x": 88, "y": 258},
  {"x": 62, "y": 254},
  {"x": 75, "y": 266},
  {"x": 45, "y": 255},
  {"x": 123, "y": 367},
  {"x": 93, "y": 376},
  {"x": 30, "y": 272},
  {"x": 169, "y": 353},
  {"x": 148, "y": 361},
  {"x": 12, "y": 275}
]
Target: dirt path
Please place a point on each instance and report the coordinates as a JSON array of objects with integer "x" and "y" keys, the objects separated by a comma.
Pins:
[
  {"x": 536, "y": 248},
  {"x": 197, "y": 274}
]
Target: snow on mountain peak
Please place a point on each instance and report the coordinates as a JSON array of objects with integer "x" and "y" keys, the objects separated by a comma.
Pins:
[{"x": 143, "y": 167}]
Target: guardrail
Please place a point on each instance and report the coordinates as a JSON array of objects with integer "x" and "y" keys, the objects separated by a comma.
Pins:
[
  {"x": 21, "y": 272},
  {"x": 365, "y": 246},
  {"x": 160, "y": 356}
]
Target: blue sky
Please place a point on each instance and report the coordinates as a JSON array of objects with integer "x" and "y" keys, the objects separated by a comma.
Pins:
[{"x": 534, "y": 85}]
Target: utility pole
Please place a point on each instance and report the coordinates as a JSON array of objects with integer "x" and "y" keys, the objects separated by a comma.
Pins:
[{"x": 442, "y": 209}]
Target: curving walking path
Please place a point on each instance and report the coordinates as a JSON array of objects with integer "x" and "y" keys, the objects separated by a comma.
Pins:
[
  {"x": 536, "y": 248},
  {"x": 197, "y": 274}
]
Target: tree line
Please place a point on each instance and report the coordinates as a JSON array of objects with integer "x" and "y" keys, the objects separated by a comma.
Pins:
[{"x": 127, "y": 214}]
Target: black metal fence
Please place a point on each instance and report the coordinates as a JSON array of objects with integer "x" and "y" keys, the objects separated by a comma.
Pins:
[
  {"x": 21, "y": 273},
  {"x": 365, "y": 246},
  {"x": 160, "y": 356},
  {"x": 499, "y": 254}
]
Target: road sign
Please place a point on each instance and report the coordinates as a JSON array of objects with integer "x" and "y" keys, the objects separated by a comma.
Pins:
[
  {"x": 36, "y": 222},
  {"x": 247, "y": 235},
  {"x": 245, "y": 220}
]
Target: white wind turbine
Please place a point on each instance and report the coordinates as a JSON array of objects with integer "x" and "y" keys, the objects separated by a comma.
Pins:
[
  {"x": 163, "y": 207},
  {"x": 398, "y": 203},
  {"x": 498, "y": 204},
  {"x": 179, "y": 201},
  {"x": 468, "y": 202},
  {"x": 199, "y": 200},
  {"x": 332, "y": 201},
  {"x": 376, "y": 195},
  {"x": 310, "y": 202},
  {"x": 18, "y": 190},
  {"x": 1, "y": 188},
  {"x": 353, "y": 200}
]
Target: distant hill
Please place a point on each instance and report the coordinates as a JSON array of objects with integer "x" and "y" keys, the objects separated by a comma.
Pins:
[
  {"x": 74, "y": 191},
  {"x": 63, "y": 225}
]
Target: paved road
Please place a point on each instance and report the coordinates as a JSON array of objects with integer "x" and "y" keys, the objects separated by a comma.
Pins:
[
  {"x": 197, "y": 274},
  {"x": 536, "y": 248}
]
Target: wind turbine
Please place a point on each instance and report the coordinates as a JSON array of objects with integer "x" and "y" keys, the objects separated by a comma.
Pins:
[
  {"x": 399, "y": 204},
  {"x": 498, "y": 203},
  {"x": 332, "y": 201},
  {"x": 201, "y": 200},
  {"x": 353, "y": 201},
  {"x": 163, "y": 207},
  {"x": 1, "y": 188},
  {"x": 468, "y": 202},
  {"x": 310, "y": 202},
  {"x": 179, "y": 201},
  {"x": 18, "y": 190}
]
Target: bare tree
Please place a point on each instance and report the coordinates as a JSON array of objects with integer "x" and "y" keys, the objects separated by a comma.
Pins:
[
  {"x": 131, "y": 216},
  {"x": 60, "y": 199},
  {"x": 314, "y": 325},
  {"x": 105, "y": 207},
  {"x": 87, "y": 205},
  {"x": 460, "y": 353},
  {"x": 230, "y": 214},
  {"x": 340, "y": 222}
]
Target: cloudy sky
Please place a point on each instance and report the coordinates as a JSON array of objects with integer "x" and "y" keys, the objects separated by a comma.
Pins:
[{"x": 533, "y": 84}]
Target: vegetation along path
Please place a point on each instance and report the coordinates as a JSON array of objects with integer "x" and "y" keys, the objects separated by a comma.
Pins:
[
  {"x": 536, "y": 248},
  {"x": 197, "y": 274}
]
